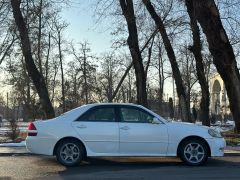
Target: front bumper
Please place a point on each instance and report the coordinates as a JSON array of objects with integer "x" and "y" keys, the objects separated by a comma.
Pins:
[{"x": 217, "y": 146}]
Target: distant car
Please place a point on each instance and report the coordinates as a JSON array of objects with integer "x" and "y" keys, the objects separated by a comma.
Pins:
[{"x": 117, "y": 130}]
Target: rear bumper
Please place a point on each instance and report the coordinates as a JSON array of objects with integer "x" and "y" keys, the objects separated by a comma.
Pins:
[
  {"x": 217, "y": 146},
  {"x": 40, "y": 145}
]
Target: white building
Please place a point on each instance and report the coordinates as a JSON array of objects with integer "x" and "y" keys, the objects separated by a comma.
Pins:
[{"x": 219, "y": 103}]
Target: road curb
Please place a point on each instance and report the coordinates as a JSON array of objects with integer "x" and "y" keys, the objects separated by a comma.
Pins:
[
  {"x": 231, "y": 154},
  {"x": 16, "y": 154}
]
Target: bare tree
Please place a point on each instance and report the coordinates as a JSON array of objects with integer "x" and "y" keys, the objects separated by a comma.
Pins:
[
  {"x": 40, "y": 35},
  {"x": 6, "y": 46},
  {"x": 160, "y": 66},
  {"x": 208, "y": 16},
  {"x": 129, "y": 67},
  {"x": 7, "y": 31},
  {"x": 188, "y": 72},
  {"x": 33, "y": 72},
  {"x": 172, "y": 58},
  {"x": 85, "y": 57},
  {"x": 87, "y": 69},
  {"x": 111, "y": 66},
  {"x": 59, "y": 28},
  {"x": 128, "y": 12},
  {"x": 196, "y": 50}
]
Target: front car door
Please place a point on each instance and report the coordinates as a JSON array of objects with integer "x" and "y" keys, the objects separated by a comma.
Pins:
[
  {"x": 139, "y": 135},
  {"x": 98, "y": 128}
]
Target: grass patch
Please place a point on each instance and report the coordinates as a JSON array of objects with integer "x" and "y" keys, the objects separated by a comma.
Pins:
[{"x": 232, "y": 139}]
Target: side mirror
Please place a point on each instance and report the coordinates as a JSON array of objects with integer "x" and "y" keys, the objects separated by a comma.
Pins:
[{"x": 155, "y": 121}]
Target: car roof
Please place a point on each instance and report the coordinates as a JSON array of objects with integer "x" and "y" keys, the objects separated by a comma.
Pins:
[
  {"x": 124, "y": 104},
  {"x": 85, "y": 107}
]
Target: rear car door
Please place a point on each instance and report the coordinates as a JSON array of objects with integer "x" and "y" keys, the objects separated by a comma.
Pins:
[{"x": 98, "y": 128}]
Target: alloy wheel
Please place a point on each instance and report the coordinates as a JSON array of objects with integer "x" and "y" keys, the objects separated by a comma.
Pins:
[
  {"x": 69, "y": 153},
  {"x": 194, "y": 153}
]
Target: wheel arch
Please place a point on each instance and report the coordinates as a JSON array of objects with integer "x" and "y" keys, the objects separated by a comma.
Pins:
[
  {"x": 194, "y": 137},
  {"x": 68, "y": 138}
]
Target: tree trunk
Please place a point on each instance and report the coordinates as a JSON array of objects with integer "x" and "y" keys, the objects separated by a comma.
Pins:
[
  {"x": 85, "y": 74},
  {"x": 47, "y": 60},
  {"x": 149, "y": 57},
  {"x": 185, "y": 111},
  {"x": 26, "y": 95},
  {"x": 128, "y": 12},
  {"x": 5, "y": 53},
  {"x": 40, "y": 37},
  {"x": 224, "y": 59},
  {"x": 110, "y": 81},
  {"x": 33, "y": 72},
  {"x": 161, "y": 77},
  {"x": 196, "y": 50},
  {"x": 121, "y": 81},
  {"x": 62, "y": 73}
]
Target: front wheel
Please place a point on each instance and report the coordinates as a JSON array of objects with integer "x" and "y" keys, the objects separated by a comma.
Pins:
[
  {"x": 69, "y": 153},
  {"x": 194, "y": 152}
]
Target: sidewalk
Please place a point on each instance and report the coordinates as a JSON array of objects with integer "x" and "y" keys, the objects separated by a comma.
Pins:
[
  {"x": 22, "y": 151},
  {"x": 14, "y": 151},
  {"x": 232, "y": 151}
]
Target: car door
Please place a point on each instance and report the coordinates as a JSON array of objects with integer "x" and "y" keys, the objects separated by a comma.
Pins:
[
  {"x": 140, "y": 134},
  {"x": 98, "y": 128}
]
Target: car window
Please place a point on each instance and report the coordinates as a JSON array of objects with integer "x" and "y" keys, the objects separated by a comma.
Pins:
[
  {"x": 105, "y": 114},
  {"x": 135, "y": 115}
]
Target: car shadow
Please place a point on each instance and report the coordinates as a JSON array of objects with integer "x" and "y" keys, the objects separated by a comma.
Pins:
[
  {"x": 109, "y": 164},
  {"x": 138, "y": 168}
]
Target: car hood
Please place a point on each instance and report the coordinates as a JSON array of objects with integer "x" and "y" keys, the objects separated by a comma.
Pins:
[{"x": 188, "y": 125}]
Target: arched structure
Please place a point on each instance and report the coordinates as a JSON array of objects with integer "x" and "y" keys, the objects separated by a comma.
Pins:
[{"x": 219, "y": 103}]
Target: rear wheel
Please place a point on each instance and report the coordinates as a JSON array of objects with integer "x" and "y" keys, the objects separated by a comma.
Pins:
[
  {"x": 194, "y": 152},
  {"x": 70, "y": 152}
]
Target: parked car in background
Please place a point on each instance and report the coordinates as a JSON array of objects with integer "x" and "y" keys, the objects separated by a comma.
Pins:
[{"x": 113, "y": 129}]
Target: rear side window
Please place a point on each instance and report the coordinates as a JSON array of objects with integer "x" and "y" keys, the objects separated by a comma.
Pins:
[{"x": 104, "y": 114}]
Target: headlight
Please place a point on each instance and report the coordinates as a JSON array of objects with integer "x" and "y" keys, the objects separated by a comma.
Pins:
[{"x": 214, "y": 133}]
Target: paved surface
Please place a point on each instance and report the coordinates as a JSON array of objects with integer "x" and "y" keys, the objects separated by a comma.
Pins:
[
  {"x": 18, "y": 163},
  {"x": 13, "y": 150},
  {"x": 42, "y": 167}
]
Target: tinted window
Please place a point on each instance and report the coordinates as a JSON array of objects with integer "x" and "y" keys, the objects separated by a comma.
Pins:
[
  {"x": 135, "y": 115},
  {"x": 106, "y": 114}
]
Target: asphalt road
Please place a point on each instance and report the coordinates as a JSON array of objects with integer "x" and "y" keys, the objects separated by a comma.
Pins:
[{"x": 42, "y": 167}]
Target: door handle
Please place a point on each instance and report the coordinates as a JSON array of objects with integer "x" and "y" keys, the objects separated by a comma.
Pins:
[
  {"x": 125, "y": 128},
  {"x": 81, "y": 126}
]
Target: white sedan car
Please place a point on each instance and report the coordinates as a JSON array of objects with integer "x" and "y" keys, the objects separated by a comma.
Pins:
[{"x": 113, "y": 129}]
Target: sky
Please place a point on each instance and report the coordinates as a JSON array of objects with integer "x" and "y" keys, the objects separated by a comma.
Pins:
[{"x": 82, "y": 26}]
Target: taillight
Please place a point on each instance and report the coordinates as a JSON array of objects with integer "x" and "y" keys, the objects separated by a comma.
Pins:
[{"x": 32, "y": 129}]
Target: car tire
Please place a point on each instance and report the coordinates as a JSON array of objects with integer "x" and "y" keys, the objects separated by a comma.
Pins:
[
  {"x": 193, "y": 152},
  {"x": 70, "y": 152}
]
